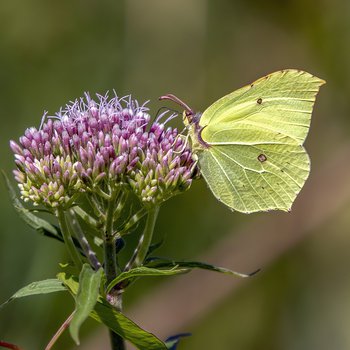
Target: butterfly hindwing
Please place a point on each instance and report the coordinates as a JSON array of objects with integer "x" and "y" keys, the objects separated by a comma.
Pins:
[{"x": 255, "y": 177}]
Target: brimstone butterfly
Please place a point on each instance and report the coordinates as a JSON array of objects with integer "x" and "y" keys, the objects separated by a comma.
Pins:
[{"x": 249, "y": 143}]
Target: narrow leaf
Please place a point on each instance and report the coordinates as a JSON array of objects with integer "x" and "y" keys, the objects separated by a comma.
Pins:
[
  {"x": 38, "y": 224},
  {"x": 145, "y": 271},
  {"x": 116, "y": 321},
  {"x": 153, "y": 247},
  {"x": 87, "y": 295},
  {"x": 40, "y": 287},
  {"x": 70, "y": 281},
  {"x": 164, "y": 263},
  {"x": 126, "y": 328}
]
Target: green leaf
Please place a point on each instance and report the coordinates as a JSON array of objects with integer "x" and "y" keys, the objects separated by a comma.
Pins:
[
  {"x": 88, "y": 292},
  {"x": 153, "y": 247},
  {"x": 40, "y": 225},
  {"x": 126, "y": 328},
  {"x": 41, "y": 287},
  {"x": 116, "y": 321},
  {"x": 145, "y": 271},
  {"x": 70, "y": 281},
  {"x": 164, "y": 263}
]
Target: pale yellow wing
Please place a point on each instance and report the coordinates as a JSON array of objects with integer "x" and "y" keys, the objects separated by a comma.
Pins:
[
  {"x": 254, "y": 159},
  {"x": 280, "y": 102}
]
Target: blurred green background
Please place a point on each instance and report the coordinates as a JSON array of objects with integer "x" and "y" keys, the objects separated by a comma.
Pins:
[{"x": 53, "y": 51}]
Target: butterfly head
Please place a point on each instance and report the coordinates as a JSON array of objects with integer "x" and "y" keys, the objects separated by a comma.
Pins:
[
  {"x": 189, "y": 115},
  {"x": 191, "y": 121}
]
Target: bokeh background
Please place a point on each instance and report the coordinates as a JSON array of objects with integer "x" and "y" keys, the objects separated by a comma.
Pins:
[{"x": 53, "y": 51}]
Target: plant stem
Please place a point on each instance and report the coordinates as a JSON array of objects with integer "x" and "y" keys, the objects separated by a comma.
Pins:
[
  {"x": 63, "y": 327},
  {"x": 110, "y": 257},
  {"x": 111, "y": 268},
  {"x": 85, "y": 245},
  {"x": 117, "y": 341},
  {"x": 95, "y": 205},
  {"x": 133, "y": 221},
  {"x": 86, "y": 217},
  {"x": 145, "y": 240},
  {"x": 110, "y": 265},
  {"x": 68, "y": 239}
]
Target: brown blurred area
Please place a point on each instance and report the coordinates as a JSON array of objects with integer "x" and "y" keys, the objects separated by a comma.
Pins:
[{"x": 51, "y": 52}]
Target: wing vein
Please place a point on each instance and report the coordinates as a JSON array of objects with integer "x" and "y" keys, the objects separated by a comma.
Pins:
[{"x": 229, "y": 180}]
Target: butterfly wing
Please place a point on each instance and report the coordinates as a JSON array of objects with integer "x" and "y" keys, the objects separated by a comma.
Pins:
[
  {"x": 240, "y": 180},
  {"x": 255, "y": 160}
]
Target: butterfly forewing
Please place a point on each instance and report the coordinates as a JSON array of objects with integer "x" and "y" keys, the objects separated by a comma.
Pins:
[{"x": 281, "y": 102}]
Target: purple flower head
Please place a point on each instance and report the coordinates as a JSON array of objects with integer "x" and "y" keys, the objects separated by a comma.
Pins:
[{"x": 105, "y": 142}]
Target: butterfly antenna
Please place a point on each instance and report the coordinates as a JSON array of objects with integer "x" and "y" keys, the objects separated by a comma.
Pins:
[
  {"x": 171, "y": 97},
  {"x": 171, "y": 117},
  {"x": 159, "y": 115}
]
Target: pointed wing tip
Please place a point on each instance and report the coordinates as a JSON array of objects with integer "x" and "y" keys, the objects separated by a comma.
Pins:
[
  {"x": 298, "y": 71},
  {"x": 319, "y": 80}
]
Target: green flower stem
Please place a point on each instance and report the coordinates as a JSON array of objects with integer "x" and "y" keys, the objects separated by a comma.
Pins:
[
  {"x": 114, "y": 297},
  {"x": 121, "y": 202},
  {"x": 111, "y": 268},
  {"x": 86, "y": 217},
  {"x": 85, "y": 245},
  {"x": 109, "y": 214},
  {"x": 95, "y": 205},
  {"x": 110, "y": 257},
  {"x": 74, "y": 254},
  {"x": 132, "y": 221},
  {"x": 103, "y": 194},
  {"x": 117, "y": 341},
  {"x": 145, "y": 240}
]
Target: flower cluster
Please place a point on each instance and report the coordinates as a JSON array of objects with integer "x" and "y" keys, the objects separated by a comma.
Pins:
[{"x": 96, "y": 145}]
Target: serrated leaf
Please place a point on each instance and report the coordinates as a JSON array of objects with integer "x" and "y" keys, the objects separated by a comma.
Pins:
[
  {"x": 41, "y": 287},
  {"x": 143, "y": 271},
  {"x": 164, "y": 263},
  {"x": 87, "y": 295},
  {"x": 126, "y": 328}
]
